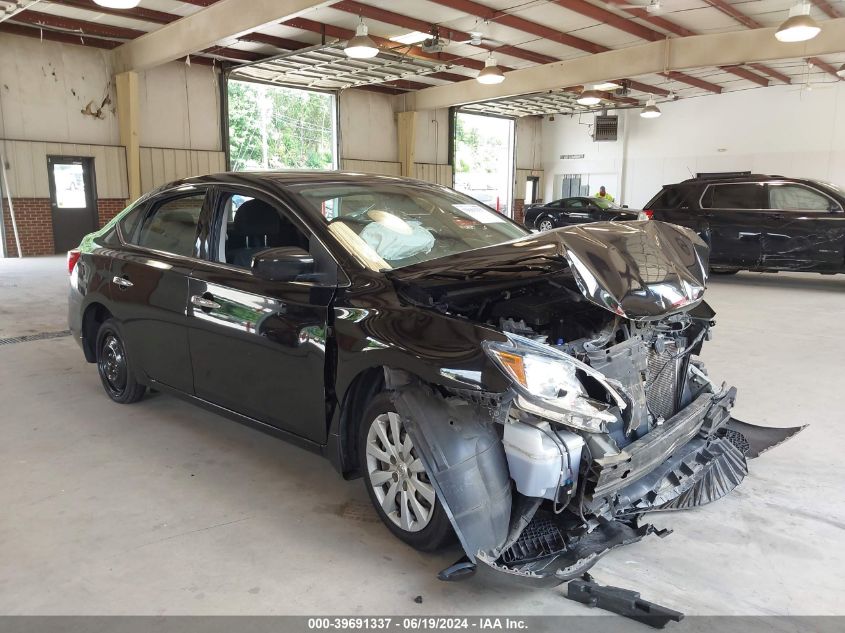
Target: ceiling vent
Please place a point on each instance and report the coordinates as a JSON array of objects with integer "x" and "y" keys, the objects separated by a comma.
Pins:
[{"x": 606, "y": 127}]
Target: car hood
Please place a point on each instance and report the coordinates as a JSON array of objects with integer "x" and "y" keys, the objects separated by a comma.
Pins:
[{"x": 640, "y": 270}]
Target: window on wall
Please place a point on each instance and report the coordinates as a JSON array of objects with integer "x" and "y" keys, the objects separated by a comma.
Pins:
[
  {"x": 275, "y": 127},
  {"x": 483, "y": 159}
]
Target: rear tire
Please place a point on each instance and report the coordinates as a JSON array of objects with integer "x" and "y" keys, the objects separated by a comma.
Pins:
[
  {"x": 396, "y": 481},
  {"x": 114, "y": 367}
]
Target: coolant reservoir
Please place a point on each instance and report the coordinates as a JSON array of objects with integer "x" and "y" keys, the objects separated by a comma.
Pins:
[{"x": 539, "y": 459}]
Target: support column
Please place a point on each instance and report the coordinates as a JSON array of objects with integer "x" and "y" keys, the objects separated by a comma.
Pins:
[
  {"x": 128, "y": 105},
  {"x": 407, "y": 133}
]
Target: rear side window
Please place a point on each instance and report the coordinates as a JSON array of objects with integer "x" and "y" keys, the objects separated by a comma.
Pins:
[
  {"x": 738, "y": 196},
  {"x": 668, "y": 198},
  {"x": 172, "y": 226},
  {"x": 798, "y": 198},
  {"x": 129, "y": 223}
]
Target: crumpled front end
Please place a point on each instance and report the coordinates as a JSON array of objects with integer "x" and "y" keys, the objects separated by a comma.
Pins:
[{"x": 543, "y": 480}]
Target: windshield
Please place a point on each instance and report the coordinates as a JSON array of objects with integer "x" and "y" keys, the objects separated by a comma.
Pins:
[
  {"x": 605, "y": 204},
  {"x": 387, "y": 226}
]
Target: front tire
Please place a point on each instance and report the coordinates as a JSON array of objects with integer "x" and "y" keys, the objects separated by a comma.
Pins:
[
  {"x": 396, "y": 481},
  {"x": 545, "y": 224},
  {"x": 113, "y": 366}
]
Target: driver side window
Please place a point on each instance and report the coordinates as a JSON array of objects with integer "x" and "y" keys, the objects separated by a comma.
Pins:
[{"x": 248, "y": 225}]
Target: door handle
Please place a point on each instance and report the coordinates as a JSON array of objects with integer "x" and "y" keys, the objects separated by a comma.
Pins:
[
  {"x": 204, "y": 303},
  {"x": 122, "y": 282}
]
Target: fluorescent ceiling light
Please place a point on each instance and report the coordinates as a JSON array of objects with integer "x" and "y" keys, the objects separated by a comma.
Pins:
[
  {"x": 491, "y": 73},
  {"x": 799, "y": 26},
  {"x": 650, "y": 111},
  {"x": 607, "y": 85},
  {"x": 590, "y": 98},
  {"x": 414, "y": 37},
  {"x": 361, "y": 46},
  {"x": 118, "y": 4}
]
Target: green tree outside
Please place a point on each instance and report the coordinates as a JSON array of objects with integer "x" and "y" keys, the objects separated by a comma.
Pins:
[{"x": 273, "y": 127}]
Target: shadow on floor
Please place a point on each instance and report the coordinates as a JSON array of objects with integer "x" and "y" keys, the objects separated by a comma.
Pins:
[{"x": 785, "y": 281}]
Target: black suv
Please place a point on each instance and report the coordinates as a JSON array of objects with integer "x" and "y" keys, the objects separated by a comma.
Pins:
[{"x": 758, "y": 222}]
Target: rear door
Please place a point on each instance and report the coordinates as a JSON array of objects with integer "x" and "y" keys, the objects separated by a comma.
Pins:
[
  {"x": 149, "y": 280},
  {"x": 733, "y": 215},
  {"x": 805, "y": 229},
  {"x": 259, "y": 347}
]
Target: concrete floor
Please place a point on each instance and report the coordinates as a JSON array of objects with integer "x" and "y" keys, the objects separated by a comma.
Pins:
[{"x": 162, "y": 508}]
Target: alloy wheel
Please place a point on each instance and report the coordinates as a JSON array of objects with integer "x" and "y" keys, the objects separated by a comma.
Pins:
[
  {"x": 546, "y": 225},
  {"x": 397, "y": 475}
]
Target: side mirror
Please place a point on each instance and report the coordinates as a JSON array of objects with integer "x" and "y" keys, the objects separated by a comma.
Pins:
[{"x": 285, "y": 263}]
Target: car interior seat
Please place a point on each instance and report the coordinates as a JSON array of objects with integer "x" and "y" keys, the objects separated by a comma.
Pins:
[{"x": 257, "y": 227}]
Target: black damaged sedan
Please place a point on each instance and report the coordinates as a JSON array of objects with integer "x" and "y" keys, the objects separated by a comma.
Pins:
[{"x": 532, "y": 395}]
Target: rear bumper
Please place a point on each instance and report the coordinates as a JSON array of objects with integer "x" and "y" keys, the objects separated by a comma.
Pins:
[{"x": 74, "y": 315}]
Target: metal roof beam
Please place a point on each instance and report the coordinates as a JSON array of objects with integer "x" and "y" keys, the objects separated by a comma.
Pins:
[
  {"x": 414, "y": 24},
  {"x": 828, "y": 9},
  {"x": 830, "y": 70},
  {"x": 220, "y": 21},
  {"x": 669, "y": 56}
]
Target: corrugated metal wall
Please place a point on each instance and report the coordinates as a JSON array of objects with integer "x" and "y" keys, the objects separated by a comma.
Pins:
[
  {"x": 440, "y": 174},
  {"x": 160, "y": 166},
  {"x": 28, "y": 167},
  {"x": 382, "y": 167}
]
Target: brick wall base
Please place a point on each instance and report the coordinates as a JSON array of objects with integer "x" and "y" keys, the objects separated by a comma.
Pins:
[
  {"x": 519, "y": 210},
  {"x": 35, "y": 223}
]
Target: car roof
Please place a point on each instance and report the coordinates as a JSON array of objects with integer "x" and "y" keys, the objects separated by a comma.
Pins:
[
  {"x": 709, "y": 179},
  {"x": 287, "y": 177}
]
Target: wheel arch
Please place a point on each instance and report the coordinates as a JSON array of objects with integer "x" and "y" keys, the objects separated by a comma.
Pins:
[{"x": 94, "y": 316}]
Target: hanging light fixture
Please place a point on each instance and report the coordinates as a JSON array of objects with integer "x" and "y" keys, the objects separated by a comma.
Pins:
[
  {"x": 650, "y": 111},
  {"x": 841, "y": 71},
  {"x": 590, "y": 98},
  {"x": 799, "y": 26},
  {"x": 361, "y": 46},
  {"x": 491, "y": 73},
  {"x": 118, "y": 4}
]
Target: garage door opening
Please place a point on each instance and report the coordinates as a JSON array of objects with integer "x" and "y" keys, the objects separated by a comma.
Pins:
[
  {"x": 483, "y": 159},
  {"x": 276, "y": 127}
]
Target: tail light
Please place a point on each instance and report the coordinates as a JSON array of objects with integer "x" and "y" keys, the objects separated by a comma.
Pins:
[
  {"x": 72, "y": 258},
  {"x": 646, "y": 214}
]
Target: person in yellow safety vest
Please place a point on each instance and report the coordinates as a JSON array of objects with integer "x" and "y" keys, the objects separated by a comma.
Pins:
[{"x": 603, "y": 194}]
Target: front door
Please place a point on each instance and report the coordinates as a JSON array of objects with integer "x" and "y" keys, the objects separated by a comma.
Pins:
[
  {"x": 803, "y": 230},
  {"x": 73, "y": 199},
  {"x": 259, "y": 347},
  {"x": 733, "y": 216}
]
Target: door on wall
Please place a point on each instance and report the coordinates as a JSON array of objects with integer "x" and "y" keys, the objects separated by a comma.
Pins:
[
  {"x": 73, "y": 199},
  {"x": 532, "y": 189}
]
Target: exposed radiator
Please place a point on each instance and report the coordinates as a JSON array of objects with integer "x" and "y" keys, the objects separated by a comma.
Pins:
[{"x": 662, "y": 380}]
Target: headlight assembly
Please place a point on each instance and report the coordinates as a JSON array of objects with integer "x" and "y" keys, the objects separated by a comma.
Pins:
[{"x": 551, "y": 384}]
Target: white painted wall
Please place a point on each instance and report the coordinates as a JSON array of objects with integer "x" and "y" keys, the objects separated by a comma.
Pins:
[
  {"x": 433, "y": 136},
  {"x": 367, "y": 126},
  {"x": 44, "y": 86},
  {"x": 777, "y": 130},
  {"x": 529, "y": 143},
  {"x": 180, "y": 107}
]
